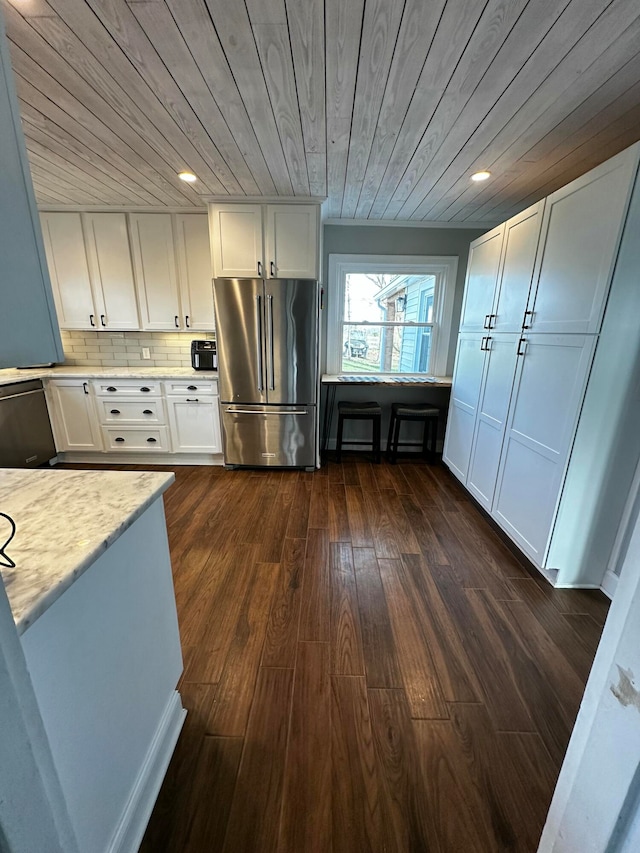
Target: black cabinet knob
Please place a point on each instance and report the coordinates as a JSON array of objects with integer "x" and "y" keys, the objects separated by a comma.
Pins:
[
  {"x": 192, "y": 387},
  {"x": 111, "y": 388},
  {"x": 151, "y": 440},
  {"x": 144, "y": 388},
  {"x": 147, "y": 412},
  {"x": 115, "y": 411},
  {"x": 119, "y": 439}
]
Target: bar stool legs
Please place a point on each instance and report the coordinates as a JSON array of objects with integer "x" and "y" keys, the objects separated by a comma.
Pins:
[
  {"x": 361, "y": 412},
  {"x": 426, "y": 414}
]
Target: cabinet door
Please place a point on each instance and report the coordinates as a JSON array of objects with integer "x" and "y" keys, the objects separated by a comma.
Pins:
[
  {"x": 482, "y": 278},
  {"x": 465, "y": 393},
  {"x": 111, "y": 270},
  {"x": 155, "y": 264},
  {"x": 69, "y": 271},
  {"x": 547, "y": 394},
  {"x": 236, "y": 240},
  {"x": 75, "y": 424},
  {"x": 495, "y": 393},
  {"x": 195, "y": 424},
  {"x": 292, "y": 241},
  {"x": 194, "y": 266},
  {"x": 521, "y": 236},
  {"x": 578, "y": 247}
]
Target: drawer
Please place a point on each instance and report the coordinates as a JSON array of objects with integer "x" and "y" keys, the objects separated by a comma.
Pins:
[
  {"x": 189, "y": 388},
  {"x": 136, "y": 412},
  {"x": 126, "y": 388},
  {"x": 151, "y": 440}
]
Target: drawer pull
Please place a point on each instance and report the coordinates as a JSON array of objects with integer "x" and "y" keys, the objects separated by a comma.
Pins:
[
  {"x": 147, "y": 412},
  {"x": 119, "y": 439},
  {"x": 144, "y": 388},
  {"x": 115, "y": 411},
  {"x": 192, "y": 400},
  {"x": 111, "y": 388},
  {"x": 151, "y": 440},
  {"x": 192, "y": 387}
]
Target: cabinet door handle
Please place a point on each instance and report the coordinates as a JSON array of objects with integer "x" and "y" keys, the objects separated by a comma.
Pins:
[
  {"x": 492, "y": 317},
  {"x": 102, "y": 320},
  {"x": 177, "y": 321},
  {"x": 522, "y": 346},
  {"x": 482, "y": 343},
  {"x": 487, "y": 321},
  {"x": 260, "y": 268},
  {"x": 526, "y": 325},
  {"x": 272, "y": 267},
  {"x": 115, "y": 411},
  {"x": 91, "y": 319},
  {"x": 192, "y": 400},
  {"x": 144, "y": 388},
  {"x": 111, "y": 388},
  {"x": 186, "y": 321},
  {"x": 151, "y": 440},
  {"x": 119, "y": 439},
  {"x": 85, "y": 387},
  {"x": 147, "y": 412}
]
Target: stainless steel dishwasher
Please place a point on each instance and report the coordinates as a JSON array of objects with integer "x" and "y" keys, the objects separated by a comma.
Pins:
[{"x": 26, "y": 440}]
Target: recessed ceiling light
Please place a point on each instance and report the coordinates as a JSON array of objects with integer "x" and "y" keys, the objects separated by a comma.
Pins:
[
  {"x": 481, "y": 176},
  {"x": 188, "y": 177}
]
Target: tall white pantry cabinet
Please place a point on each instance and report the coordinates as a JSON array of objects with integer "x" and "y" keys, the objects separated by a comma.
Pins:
[{"x": 525, "y": 433}]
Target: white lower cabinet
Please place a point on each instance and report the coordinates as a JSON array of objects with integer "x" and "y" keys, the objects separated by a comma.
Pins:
[
  {"x": 73, "y": 417},
  {"x": 545, "y": 404},
  {"x": 141, "y": 416},
  {"x": 495, "y": 393}
]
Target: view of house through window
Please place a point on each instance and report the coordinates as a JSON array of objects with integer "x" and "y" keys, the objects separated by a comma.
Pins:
[{"x": 388, "y": 323}]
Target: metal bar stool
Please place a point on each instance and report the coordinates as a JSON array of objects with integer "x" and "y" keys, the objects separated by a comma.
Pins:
[
  {"x": 428, "y": 414},
  {"x": 360, "y": 412}
]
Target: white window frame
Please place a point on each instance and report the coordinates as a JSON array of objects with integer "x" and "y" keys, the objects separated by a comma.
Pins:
[{"x": 444, "y": 268}]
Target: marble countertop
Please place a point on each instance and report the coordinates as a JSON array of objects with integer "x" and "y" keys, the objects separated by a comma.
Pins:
[
  {"x": 97, "y": 372},
  {"x": 64, "y": 521}
]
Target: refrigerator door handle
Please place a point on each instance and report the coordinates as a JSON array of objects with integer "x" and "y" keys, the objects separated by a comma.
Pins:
[
  {"x": 259, "y": 341},
  {"x": 270, "y": 414},
  {"x": 272, "y": 373}
]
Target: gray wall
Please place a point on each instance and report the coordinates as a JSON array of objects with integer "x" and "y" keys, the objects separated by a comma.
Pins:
[
  {"x": 390, "y": 240},
  {"x": 383, "y": 240}
]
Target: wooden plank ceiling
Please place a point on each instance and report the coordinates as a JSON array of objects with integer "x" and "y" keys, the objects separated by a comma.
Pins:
[{"x": 384, "y": 106}]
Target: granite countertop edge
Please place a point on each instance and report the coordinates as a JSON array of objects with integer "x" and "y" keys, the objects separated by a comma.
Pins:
[
  {"x": 10, "y": 375},
  {"x": 41, "y": 599}
]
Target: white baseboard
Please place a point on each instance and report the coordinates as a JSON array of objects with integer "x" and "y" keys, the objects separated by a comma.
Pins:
[
  {"x": 133, "y": 823},
  {"x": 116, "y": 458},
  {"x": 577, "y": 585},
  {"x": 609, "y": 583}
]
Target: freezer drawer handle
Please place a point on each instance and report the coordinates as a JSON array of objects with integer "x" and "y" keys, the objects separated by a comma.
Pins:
[
  {"x": 259, "y": 340},
  {"x": 272, "y": 372},
  {"x": 254, "y": 412}
]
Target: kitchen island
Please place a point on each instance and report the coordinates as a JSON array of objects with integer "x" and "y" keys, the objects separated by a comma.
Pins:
[{"x": 92, "y": 598}]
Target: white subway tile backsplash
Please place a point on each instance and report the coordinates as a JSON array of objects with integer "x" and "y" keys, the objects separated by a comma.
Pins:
[{"x": 124, "y": 349}]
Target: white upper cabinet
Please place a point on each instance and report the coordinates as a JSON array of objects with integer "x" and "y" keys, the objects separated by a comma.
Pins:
[
  {"x": 270, "y": 241},
  {"x": 195, "y": 273},
  {"x": 482, "y": 279},
  {"x": 111, "y": 270},
  {"x": 292, "y": 241},
  {"x": 580, "y": 235},
  {"x": 521, "y": 234},
  {"x": 69, "y": 270},
  {"x": 155, "y": 265},
  {"x": 91, "y": 272},
  {"x": 236, "y": 240}
]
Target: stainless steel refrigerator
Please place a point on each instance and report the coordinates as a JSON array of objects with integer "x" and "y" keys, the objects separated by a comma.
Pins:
[{"x": 267, "y": 334}]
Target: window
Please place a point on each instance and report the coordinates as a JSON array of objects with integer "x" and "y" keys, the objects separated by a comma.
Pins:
[{"x": 389, "y": 314}]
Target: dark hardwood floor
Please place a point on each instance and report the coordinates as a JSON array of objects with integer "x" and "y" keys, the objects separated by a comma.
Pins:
[{"x": 367, "y": 667}]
